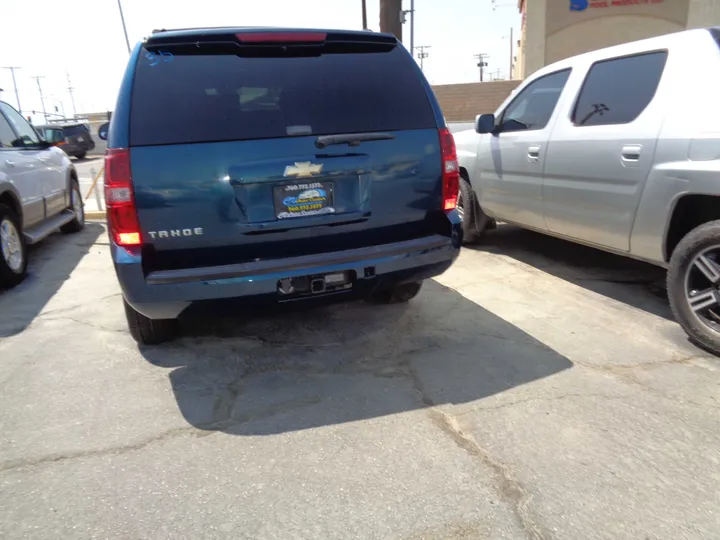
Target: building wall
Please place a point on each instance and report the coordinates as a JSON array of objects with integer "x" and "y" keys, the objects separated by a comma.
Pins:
[
  {"x": 553, "y": 31},
  {"x": 463, "y": 102}
]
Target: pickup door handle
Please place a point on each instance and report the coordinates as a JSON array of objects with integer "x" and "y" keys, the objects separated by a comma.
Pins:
[
  {"x": 631, "y": 152},
  {"x": 533, "y": 153},
  {"x": 9, "y": 163}
]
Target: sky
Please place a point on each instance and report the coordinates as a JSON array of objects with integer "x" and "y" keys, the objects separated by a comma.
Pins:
[{"x": 84, "y": 39}]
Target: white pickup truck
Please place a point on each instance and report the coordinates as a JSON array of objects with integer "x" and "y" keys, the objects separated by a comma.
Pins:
[
  {"x": 617, "y": 149},
  {"x": 39, "y": 193}
]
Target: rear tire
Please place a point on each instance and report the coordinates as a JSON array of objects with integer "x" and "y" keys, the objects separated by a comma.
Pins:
[
  {"x": 81, "y": 156},
  {"x": 76, "y": 205},
  {"x": 13, "y": 251},
  {"x": 695, "y": 257},
  {"x": 471, "y": 213},
  {"x": 397, "y": 294},
  {"x": 147, "y": 331}
]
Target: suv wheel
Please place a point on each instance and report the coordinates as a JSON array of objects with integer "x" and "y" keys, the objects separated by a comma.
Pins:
[
  {"x": 76, "y": 205},
  {"x": 397, "y": 294},
  {"x": 13, "y": 251},
  {"x": 693, "y": 283},
  {"x": 81, "y": 156},
  {"x": 148, "y": 331}
]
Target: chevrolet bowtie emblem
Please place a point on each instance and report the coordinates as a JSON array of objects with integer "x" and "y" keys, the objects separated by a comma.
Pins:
[{"x": 302, "y": 170}]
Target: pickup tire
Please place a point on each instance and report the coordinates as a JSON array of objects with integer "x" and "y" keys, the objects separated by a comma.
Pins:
[
  {"x": 12, "y": 246},
  {"x": 686, "y": 279},
  {"x": 472, "y": 214},
  {"x": 147, "y": 331},
  {"x": 76, "y": 205},
  {"x": 397, "y": 294}
]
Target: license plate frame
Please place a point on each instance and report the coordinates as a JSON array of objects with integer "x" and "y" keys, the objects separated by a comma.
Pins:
[{"x": 304, "y": 199}]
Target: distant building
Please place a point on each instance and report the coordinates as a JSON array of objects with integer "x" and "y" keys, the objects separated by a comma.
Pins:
[{"x": 556, "y": 29}]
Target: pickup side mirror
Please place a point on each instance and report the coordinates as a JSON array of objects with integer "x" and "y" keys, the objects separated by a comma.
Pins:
[
  {"x": 103, "y": 131},
  {"x": 485, "y": 123}
]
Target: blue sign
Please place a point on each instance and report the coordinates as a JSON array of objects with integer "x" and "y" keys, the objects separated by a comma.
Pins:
[{"x": 579, "y": 5}]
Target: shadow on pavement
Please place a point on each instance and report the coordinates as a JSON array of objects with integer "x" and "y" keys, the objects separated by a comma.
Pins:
[
  {"x": 638, "y": 284},
  {"x": 50, "y": 264},
  {"x": 347, "y": 363}
]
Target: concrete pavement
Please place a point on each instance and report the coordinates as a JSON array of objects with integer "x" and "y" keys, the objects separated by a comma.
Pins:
[{"x": 537, "y": 390}]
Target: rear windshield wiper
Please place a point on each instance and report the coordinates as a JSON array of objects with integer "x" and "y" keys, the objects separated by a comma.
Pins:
[{"x": 351, "y": 139}]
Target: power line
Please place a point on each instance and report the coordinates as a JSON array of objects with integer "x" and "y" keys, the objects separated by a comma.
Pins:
[
  {"x": 482, "y": 64},
  {"x": 42, "y": 99},
  {"x": 17, "y": 96},
  {"x": 422, "y": 55}
]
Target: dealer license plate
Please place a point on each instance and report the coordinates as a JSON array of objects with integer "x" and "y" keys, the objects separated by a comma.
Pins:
[{"x": 303, "y": 200}]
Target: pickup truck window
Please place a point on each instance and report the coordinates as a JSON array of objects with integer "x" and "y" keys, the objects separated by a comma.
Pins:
[
  {"x": 7, "y": 135},
  {"x": 617, "y": 91},
  {"x": 533, "y": 106},
  {"x": 25, "y": 131}
]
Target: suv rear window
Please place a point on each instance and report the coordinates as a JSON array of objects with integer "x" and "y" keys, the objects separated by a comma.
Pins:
[
  {"x": 220, "y": 97},
  {"x": 74, "y": 130}
]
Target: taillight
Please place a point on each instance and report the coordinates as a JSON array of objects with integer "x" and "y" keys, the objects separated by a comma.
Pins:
[
  {"x": 121, "y": 212},
  {"x": 450, "y": 171}
]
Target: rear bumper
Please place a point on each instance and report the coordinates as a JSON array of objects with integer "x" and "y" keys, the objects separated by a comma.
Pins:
[{"x": 167, "y": 294}]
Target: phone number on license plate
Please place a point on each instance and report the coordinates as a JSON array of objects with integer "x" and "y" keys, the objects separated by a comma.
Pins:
[{"x": 298, "y": 187}]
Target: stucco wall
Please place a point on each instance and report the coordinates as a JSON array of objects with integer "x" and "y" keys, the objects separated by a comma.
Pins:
[{"x": 603, "y": 32}]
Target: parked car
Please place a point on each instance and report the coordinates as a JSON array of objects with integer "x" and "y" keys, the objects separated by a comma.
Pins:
[
  {"x": 72, "y": 137},
  {"x": 39, "y": 193},
  {"x": 275, "y": 165},
  {"x": 617, "y": 149}
]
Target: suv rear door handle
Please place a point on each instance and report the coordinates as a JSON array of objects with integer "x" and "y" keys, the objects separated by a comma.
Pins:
[
  {"x": 533, "y": 153},
  {"x": 631, "y": 152},
  {"x": 9, "y": 163}
]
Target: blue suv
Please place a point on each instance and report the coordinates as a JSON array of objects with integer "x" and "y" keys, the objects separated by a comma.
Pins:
[{"x": 275, "y": 165}]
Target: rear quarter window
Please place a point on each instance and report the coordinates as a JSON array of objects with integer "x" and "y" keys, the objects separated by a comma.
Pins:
[{"x": 218, "y": 97}]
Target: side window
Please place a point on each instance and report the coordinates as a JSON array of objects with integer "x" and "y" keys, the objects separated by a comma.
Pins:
[
  {"x": 533, "y": 106},
  {"x": 7, "y": 135},
  {"x": 616, "y": 91},
  {"x": 22, "y": 127}
]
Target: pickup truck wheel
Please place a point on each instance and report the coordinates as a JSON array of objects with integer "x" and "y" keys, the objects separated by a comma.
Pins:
[
  {"x": 468, "y": 209},
  {"x": 76, "y": 205},
  {"x": 693, "y": 283},
  {"x": 148, "y": 331},
  {"x": 13, "y": 251},
  {"x": 397, "y": 294}
]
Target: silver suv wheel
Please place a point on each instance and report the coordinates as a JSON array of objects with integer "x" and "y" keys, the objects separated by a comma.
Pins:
[{"x": 10, "y": 245}]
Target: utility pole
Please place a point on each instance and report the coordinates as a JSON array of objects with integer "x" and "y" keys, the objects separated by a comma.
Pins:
[
  {"x": 70, "y": 90},
  {"x": 364, "y": 16},
  {"x": 122, "y": 19},
  {"x": 391, "y": 14},
  {"x": 42, "y": 100},
  {"x": 412, "y": 27},
  {"x": 17, "y": 96},
  {"x": 422, "y": 55},
  {"x": 482, "y": 64},
  {"x": 510, "y": 73}
]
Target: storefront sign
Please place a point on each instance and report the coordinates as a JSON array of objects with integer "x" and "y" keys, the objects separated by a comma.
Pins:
[{"x": 582, "y": 5}]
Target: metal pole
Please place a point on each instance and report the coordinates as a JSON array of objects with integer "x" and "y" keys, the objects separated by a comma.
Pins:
[
  {"x": 364, "y": 15},
  {"x": 412, "y": 27},
  {"x": 510, "y": 73},
  {"x": 42, "y": 99},
  {"x": 122, "y": 18},
  {"x": 72, "y": 97},
  {"x": 17, "y": 95}
]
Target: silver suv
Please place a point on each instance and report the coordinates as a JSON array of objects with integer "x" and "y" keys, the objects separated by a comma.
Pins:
[
  {"x": 39, "y": 193},
  {"x": 617, "y": 149}
]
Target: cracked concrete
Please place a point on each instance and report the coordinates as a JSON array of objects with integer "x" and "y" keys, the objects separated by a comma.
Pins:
[{"x": 536, "y": 390}]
